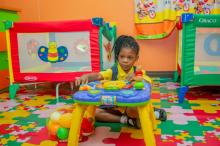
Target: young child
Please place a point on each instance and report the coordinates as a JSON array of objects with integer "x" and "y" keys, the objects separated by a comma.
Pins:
[{"x": 126, "y": 53}]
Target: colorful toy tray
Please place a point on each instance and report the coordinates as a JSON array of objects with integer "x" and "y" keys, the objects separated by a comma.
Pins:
[{"x": 121, "y": 97}]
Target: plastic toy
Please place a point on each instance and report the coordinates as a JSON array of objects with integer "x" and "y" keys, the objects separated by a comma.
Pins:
[
  {"x": 84, "y": 87},
  {"x": 59, "y": 123},
  {"x": 121, "y": 97},
  {"x": 139, "y": 84},
  {"x": 87, "y": 128},
  {"x": 114, "y": 85}
]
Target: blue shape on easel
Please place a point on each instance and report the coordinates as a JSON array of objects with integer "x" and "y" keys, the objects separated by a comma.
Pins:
[
  {"x": 58, "y": 55},
  {"x": 208, "y": 42}
]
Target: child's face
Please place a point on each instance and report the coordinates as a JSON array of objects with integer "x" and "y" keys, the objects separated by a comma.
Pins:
[{"x": 127, "y": 58}]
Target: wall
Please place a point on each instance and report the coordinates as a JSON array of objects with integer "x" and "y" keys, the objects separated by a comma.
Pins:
[{"x": 155, "y": 55}]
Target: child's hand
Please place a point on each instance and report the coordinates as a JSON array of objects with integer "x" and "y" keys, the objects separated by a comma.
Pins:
[
  {"x": 130, "y": 77},
  {"x": 84, "y": 79}
]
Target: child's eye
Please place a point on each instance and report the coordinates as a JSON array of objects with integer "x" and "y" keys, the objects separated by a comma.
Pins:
[
  {"x": 130, "y": 58},
  {"x": 121, "y": 57}
]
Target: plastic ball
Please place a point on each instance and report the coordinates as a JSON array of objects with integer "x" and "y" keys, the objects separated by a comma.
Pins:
[
  {"x": 65, "y": 120},
  {"x": 138, "y": 85},
  {"x": 62, "y": 133},
  {"x": 54, "y": 128},
  {"x": 55, "y": 116}
]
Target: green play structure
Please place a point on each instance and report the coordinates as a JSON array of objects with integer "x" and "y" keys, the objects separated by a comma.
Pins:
[{"x": 199, "y": 52}]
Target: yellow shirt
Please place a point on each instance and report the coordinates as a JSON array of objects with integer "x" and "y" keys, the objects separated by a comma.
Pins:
[{"x": 107, "y": 74}]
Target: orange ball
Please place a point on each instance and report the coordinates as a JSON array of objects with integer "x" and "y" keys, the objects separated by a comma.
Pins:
[{"x": 53, "y": 127}]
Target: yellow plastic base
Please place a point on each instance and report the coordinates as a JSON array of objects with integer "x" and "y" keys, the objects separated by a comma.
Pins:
[{"x": 146, "y": 115}]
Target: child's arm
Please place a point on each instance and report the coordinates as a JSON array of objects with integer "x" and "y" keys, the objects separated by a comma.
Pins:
[
  {"x": 142, "y": 73},
  {"x": 133, "y": 77},
  {"x": 84, "y": 79}
]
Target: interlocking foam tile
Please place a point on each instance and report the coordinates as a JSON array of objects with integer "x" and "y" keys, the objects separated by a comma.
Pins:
[
  {"x": 177, "y": 115},
  {"x": 156, "y": 101},
  {"x": 43, "y": 143},
  {"x": 124, "y": 140},
  {"x": 45, "y": 113},
  {"x": 185, "y": 143},
  {"x": 9, "y": 141},
  {"x": 6, "y": 105},
  {"x": 172, "y": 85},
  {"x": 165, "y": 95},
  {"x": 115, "y": 127},
  {"x": 183, "y": 135},
  {"x": 29, "y": 119},
  {"x": 38, "y": 101},
  {"x": 4, "y": 96},
  {"x": 155, "y": 95},
  {"x": 38, "y": 136},
  {"x": 216, "y": 132},
  {"x": 66, "y": 99},
  {"x": 31, "y": 109},
  {"x": 204, "y": 117},
  {"x": 193, "y": 128},
  {"x": 97, "y": 138},
  {"x": 23, "y": 136},
  {"x": 167, "y": 143},
  {"x": 9, "y": 116},
  {"x": 181, "y": 119},
  {"x": 184, "y": 105},
  {"x": 180, "y": 137},
  {"x": 199, "y": 138},
  {"x": 136, "y": 133},
  {"x": 209, "y": 106},
  {"x": 4, "y": 129},
  {"x": 175, "y": 109},
  {"x": 212, "y": 123},
  {"x": 164, "y": 90},
  {"x": 211, "y": 140},
  {"x": 170, "y": 138}
]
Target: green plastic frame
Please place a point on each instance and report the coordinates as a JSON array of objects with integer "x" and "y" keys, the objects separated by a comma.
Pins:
[{"x": 188, "y": 78}]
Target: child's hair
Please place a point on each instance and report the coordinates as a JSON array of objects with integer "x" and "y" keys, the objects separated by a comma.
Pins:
[{"x": 124, "y": 41}]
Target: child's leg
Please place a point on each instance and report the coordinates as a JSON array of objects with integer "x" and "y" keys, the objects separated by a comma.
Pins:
[
  {"x": 115, "y": 116},
  {"x": 132, "y": 112},
  {"x": 132, "y": 117},
  {"x": 107, "y": 115}
]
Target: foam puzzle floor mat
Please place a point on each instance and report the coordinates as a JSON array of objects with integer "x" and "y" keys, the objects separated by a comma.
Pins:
[{"x": 195, "y": 122}]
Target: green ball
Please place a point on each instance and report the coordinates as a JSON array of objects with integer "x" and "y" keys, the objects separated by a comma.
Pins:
[
  {"x": 138, "y": 85},
  {"x": 62, "y": 133}
]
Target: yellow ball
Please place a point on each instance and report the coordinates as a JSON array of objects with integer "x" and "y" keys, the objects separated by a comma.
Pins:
[{"x": 65, "y": 120}]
